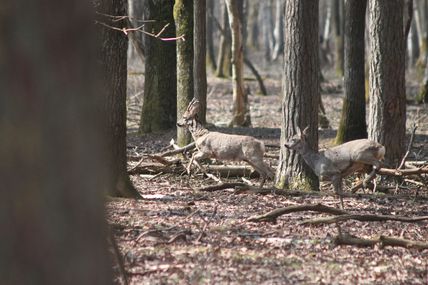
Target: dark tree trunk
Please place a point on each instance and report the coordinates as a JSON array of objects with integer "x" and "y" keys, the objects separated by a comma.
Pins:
[
  {"x": 338, "y": 35},
  {"x": 199, "y": 67},
  {"x": 210, "y": 34},
  {"x": 159, "y": 109},
  {"x": 387, "y": 113},
  {"x": 183, "y": 17},
  {"x": 301, "y": 95},
  {"x": 353, "y": 121},
  {"x": 113, "y": 65},
  {"x": 53, "y": 152}
]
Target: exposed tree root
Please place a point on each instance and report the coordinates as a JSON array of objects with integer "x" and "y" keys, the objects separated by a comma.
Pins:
[
  {"x": 363, "y": 218},
  {"x": 273, "y": 215}
]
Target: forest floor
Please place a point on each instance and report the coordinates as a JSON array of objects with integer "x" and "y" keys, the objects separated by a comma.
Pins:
[{"x": 179, "y": 235}]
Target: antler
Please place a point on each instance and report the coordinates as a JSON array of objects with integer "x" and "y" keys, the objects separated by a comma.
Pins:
[{"x": 192, "y": 109}]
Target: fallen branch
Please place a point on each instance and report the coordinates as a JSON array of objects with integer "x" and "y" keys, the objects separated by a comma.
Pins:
[
  {"x": 222, "y": 186},
  {"x": 178, "y": 150},
  {"x": 273, "y": 215},
  {"x": 382, "y": 241},
  {"x": 363, "y": 218}
]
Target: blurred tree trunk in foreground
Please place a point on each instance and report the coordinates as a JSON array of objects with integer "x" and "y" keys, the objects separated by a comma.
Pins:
[{"x": 53, "y": 150}]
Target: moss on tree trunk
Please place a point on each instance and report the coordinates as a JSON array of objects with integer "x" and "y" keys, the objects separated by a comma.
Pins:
[
  {"x": 159, "y": 109},
  {"x": 183, "y": 17}
]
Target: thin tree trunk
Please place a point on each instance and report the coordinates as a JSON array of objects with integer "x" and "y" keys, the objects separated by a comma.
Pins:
[
  {"x": 183, "y": 16},
  {"x": 254, "y": 7},
  {"x": 353, "y": 120},
  {"x": 223, "y": 57},
  {"x": 279, "y": 30},
  {"x": 241, "y": 115},
  {"x": 199, "y": 68},
  {"x": 338, "y": 36},
  {"x": 300, "y": 83},
  {"x": 211, "y": 62}
]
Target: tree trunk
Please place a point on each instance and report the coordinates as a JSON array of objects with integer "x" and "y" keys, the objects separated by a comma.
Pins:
[
  {"x": 199, "y": 67},
  {"x": 353, "y": 120},
  {"x": 254, "y": 7},
  {"x": 301, "y": 95},
  {"x": 387, "y": 113},
  {"x": 210, "y": 34},
  {"x": 183, "y": 17},
  {"x": 113, "y": 64},
  {"x": 278, "y": 32},
  {"x": 135, "y": 12},
  {"x": 267, "y": 26},
  {"x": 53, "y": 151},
  {"x": 338, "y": 35},
  {"x": 223, "y": 57},
  {"x": 423, "y": 93},
  {"x": 241, "y": 112},
  {"x": 159, "y": 108}
]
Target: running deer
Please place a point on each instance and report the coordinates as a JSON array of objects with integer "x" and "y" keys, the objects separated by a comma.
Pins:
[
  {"x": 335, "y": 163},
  {"x": 223, "y": 146}
]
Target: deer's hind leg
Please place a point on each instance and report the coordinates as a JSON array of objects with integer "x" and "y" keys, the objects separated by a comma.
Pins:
[{"x": 262, "y": 169}]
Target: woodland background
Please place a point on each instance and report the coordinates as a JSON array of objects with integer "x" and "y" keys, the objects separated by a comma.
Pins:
[{"x": 88, "y": 110}]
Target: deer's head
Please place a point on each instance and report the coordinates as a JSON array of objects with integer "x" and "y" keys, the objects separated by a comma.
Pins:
[
  {"x": 298, "y": 141},
  {"x": 190, "y": 114}
]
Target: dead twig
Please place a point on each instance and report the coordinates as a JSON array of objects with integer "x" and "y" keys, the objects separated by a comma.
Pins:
[
  {"x": 212, "y": 188},
  {"x": 179, "y": 150},
  {"x": 409, "y": 147}
]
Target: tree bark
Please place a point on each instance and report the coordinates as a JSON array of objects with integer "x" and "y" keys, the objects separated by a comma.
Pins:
[
  {"x": 113, "y": 65},
  {"x": 241, "y": 113},
  {"x": 199, "y": 67},
  {"x": 159, "y": 108},
  {"x": 353, "y": 120},
  {"x": 183, "y": 17},
  {"x": 300, "y": 88},
  {"x": 53, "y": 149},
  {"x": 387, "y": 112}
]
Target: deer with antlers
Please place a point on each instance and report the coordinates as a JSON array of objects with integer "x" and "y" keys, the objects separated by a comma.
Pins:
[{"x": 223, "y": 146}]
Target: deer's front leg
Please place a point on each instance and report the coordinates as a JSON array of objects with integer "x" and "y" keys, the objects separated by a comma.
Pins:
[
  {"x": 337, "y": 184},
  {"x": 195, "y": 158}
]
